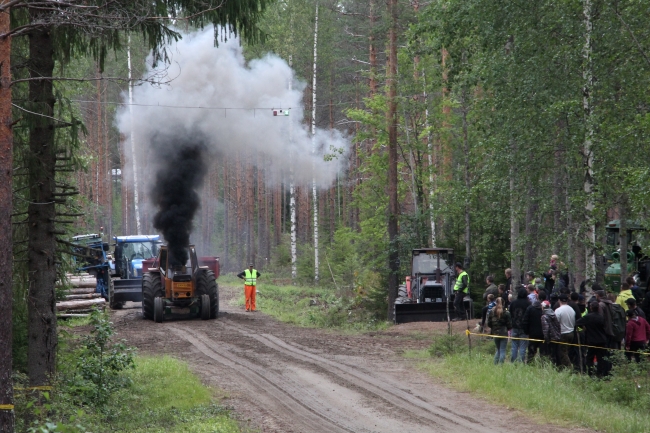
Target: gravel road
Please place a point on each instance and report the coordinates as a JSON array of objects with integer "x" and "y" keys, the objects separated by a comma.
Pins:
[{"x": 281, "y": 379}]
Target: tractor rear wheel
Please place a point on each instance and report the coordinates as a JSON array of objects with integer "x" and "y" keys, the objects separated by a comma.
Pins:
[
  {"x": 205, "y": 307},
  {"x": 206, "y": 284},
  {"x": 158, "y": 309},
  {"x": 151, "y": 289}
]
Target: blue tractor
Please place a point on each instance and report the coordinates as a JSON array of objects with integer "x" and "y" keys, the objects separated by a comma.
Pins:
[
  {"x": 89, "y": 255},
  {"x": 130, "y": 256}
]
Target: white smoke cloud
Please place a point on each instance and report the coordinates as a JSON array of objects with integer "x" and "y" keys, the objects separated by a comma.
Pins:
[{"x": 208, "y": 76}]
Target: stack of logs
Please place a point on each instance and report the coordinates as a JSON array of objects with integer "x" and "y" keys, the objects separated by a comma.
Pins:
[{"x": 81, "y": 298}]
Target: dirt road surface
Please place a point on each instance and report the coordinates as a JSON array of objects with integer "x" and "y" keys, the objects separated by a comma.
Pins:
[{"x": 282, "y": 379}]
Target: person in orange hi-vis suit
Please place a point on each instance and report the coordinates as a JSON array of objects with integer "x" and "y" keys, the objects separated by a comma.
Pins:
[{"x": 249, "y": 276}]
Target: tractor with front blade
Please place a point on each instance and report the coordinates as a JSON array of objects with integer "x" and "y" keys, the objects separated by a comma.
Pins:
[
  {"x": 428, "y": 293},
  {"x": 170, "y": 287},
  {"x": 131, "y": 252}
]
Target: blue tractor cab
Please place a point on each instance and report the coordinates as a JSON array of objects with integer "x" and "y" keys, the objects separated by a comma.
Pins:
[{"x": 130, "y": 253}]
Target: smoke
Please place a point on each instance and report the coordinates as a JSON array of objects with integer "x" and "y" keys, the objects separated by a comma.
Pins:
[
  {"x": 175, "y": 190},
  {"x": 207, "y": 76}
]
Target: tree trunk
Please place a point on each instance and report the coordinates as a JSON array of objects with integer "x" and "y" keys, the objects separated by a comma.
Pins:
[
  {"x": 134, "y": 165},
  {"x": 590, "y": 243},
  {"x": 514, "y": 224},
  {"x": 622, "y": 236},
  {"x": 6, "y": 253},
  {"x": 292, "y": 196},
  {"x": 468, "y": 228},
  {"x": 391, "y": 121},
  {"x": 41, "y": 250},
  {"x": 313, "y": 144}
]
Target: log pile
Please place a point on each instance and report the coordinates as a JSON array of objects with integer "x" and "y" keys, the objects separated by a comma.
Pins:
[{"x": 81, "y": 298}]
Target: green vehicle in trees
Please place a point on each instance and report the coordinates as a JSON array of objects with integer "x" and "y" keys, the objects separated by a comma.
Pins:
[{"x": 638, "y": 264}]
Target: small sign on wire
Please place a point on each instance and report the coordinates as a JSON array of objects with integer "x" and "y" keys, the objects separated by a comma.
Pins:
[{"x": 280, "y": 112}]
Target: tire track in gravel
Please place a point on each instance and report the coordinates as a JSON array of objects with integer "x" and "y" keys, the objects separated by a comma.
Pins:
[
  {"x": 304, "y": 413},
  {"x": 443, "y": 418}
]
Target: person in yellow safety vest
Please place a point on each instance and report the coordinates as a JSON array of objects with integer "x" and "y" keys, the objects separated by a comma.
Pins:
[
  {"x": 250, "y": 277},
  {"x": 461, "y": 289}
]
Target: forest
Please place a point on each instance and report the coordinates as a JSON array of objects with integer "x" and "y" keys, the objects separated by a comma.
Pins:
[{"x": 506, "y": 131}]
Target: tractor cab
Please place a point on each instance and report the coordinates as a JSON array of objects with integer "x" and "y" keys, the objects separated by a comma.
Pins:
[
  {"x": 638, "y": 264},
  {"x": 131, "y": 251},
  {"x": 428, "y": 291}
]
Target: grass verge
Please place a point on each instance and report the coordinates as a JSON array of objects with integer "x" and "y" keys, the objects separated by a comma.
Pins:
[
  {"x": 309, "y": 306},
  {"x": 616, "y": 405},
  {"x": 164, "y": 396}
]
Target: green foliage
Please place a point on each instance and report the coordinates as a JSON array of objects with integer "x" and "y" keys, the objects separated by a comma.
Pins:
[
  {"x": 149, "y": 404},
  {"x": 317, "y": 307},
  {"x": 100, "y": 366},
  {"x": 614, "y": 406}
]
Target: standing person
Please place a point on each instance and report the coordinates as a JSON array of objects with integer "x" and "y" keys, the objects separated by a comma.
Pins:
[
  {"x": 508, "y": 273},
  {"x": 634, "y": 288},
  {"x": 626, "y": 293},
  {"x": 491, "y": 288},
  {"x": 603, "y": 310},
  {"x": 486, "y": 310},
  {"x": 530, "y": 278},
  {"x": 517, "y": 310},
  {"x": 597, "y": 339},
  {"x": 637, "y": 333},
  {"x": 461, "y": 289},
  {"x": 549, "y": 280},
  {"x": 566, "y": 316},
  {"x": 533, "y": 325},
  {"x": 532, "y": 293},
  {"x": 631, "y": 305},
  {"x": 500, "y": 323},
  {"x": 250, "y": 277},
  {"x": 552, "y": 332}
]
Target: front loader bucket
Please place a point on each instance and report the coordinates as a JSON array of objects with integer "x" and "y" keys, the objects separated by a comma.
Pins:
[
  {"x": 423, "y": 312},
  {"x": 128, "y": 290}
]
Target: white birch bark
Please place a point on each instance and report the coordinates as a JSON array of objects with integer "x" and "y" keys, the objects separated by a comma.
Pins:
[
  {"x": 313, "y": 143},
  {"x": 292, "y": 193},
  {"x": 132, "y": 139},
  {"x": 590, "y": 259},
  {"x": 430, "y": 157}
]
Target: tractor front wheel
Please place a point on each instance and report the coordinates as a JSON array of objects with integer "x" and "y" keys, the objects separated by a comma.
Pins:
[
  {"x": 158, "y": 309},
  {"x": 151, "y": 289},
  {"x": 205, "y": 307},
  {"x": 111, "y": 296},
  {"x": 206, "y": 284}
]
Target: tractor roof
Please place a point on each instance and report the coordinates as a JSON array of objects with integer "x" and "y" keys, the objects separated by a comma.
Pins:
[
  {"x": 432, "y": 250},
  {"x": 137, "y": 238},
  {"x": 630, "y": 225}
]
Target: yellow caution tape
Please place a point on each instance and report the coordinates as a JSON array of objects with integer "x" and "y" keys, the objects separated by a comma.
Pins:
[
  {"x": 467, "y": 332},
  {"x": 35, "y": 388},
  {"x": 6, "y": 407}
]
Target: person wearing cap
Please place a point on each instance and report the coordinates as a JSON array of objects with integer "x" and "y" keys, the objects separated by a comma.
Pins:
[
  {"x": 567, "y": 318},
  {"x": 250, "y": 277},
  {"x": 552, "y": 332},
  {"x": 637, "y": 334},
  {"x": 532, "y": 325}
]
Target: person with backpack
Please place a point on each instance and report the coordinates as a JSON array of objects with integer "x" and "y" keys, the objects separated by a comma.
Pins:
[
  {"x": 517, "y": 310},
  {"x": 614, "y": 319},
  {"x": 597, "y": 340},
  {"x": 532, "y": 325},
  {"x": 638, "y": 333},
  {"x": 500, "y": 323},
  {"x": 552, "y": 332}
]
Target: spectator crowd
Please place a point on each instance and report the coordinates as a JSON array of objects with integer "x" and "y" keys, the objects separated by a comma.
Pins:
[{"x": 544, "y": 317}]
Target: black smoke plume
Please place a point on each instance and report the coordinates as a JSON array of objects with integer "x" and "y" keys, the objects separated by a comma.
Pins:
[{"x": 182, "y": 165}]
